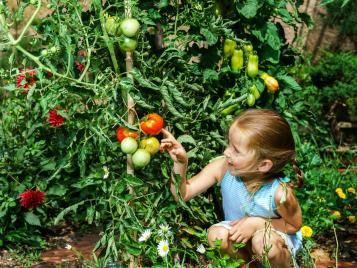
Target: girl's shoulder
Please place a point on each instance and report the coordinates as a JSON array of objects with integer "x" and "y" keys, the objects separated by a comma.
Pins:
[
  {"x": 284, "y": 193},
  {"x": 218, "y": 166}
]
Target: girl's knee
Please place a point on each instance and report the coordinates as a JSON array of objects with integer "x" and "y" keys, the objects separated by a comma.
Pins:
[
  {"x": 273, "y": 247},
  {"x": 218, "y": 233}
]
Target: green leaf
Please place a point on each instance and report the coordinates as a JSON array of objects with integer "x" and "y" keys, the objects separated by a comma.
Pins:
[
  {"x": 210, "y": 37},
  {"x": 270, "y": 54},
  {"x": 285, "y": 15},
  {"x": 57, "y": 189},
  {"x": 289, "y": 82},
  {"x": 9, "y": 87},
  {"x": 210, "y": 75},
  {"x": 67, "y": 210},
  {"x": 132, "y": 250},
  {"x": 133, "y": 181},
  {"x": 32, "y": 219},
  {"x": 186, "y": 139},
  {"x": 249, "y": 9},
  {"x": 268, "y": 34}
]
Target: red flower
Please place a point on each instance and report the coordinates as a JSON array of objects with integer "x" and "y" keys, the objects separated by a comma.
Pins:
[
  {"x": 29, "y": 77},
  {"x": 32, "y": 199},
  {"x": 79, "y": 66},
  {"x": 55, "y": 119}
]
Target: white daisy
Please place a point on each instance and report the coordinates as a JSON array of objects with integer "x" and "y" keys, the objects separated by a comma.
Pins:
[
  {"x": 68, "y": 246},
  {"x": 163, "y": 248},
  {"x": 106, "y": 172},
  {"x": 164, "y": 230},
  {"x": 145, "y": 235},
  {"x": 201, "y": 249}
]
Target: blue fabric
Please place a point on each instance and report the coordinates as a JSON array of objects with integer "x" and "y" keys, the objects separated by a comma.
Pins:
[{"x": 238, "y": 202}]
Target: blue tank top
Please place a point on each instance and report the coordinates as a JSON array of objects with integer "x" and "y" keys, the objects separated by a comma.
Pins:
[{"x": 238, "y": 202}]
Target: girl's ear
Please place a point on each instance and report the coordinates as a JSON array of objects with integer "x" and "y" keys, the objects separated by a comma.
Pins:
[{"x": 265, "y": 165}]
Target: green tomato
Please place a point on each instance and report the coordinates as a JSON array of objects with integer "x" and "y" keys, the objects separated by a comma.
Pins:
[
  {"x": 141, "y": 158},
  {"x": 130, "y": 27},
  {"x": 254, "y": 90},
  {"x": 248, "y": 49},
  {"x": 54, "y": 49},
  {"x": 44, "y": 52},
  {"x": 237, "y": 60},
  {"x": 253, "y": 65},
  {"x": 129, "y": 145},
  {"x": 112, "y": 25},
  {"x": 127, "y": 44},
  {"x": 250, "y": 100},
  {"x": 228, "y": 47}
]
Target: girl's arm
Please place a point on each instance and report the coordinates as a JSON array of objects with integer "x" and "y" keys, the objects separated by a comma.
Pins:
[
  {"x": 199, "y": 183},
  {"x": 290, "y": 211}
]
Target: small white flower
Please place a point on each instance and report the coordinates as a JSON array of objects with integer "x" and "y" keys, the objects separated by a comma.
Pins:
[
  {"x": 145, "y": 235},
  {"x": 106, "y": 172},
  {"x": 164, "y": 230},
  {"x": 201, "y": 249},
  {"x": 163, "y": 248},
  {"x": 68, "y": 246}
]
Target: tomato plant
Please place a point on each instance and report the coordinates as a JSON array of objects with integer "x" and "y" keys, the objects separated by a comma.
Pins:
[{"x": 152, "y": 124}]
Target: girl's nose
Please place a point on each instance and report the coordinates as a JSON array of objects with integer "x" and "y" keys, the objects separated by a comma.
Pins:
[{"x": 227, "y": 153}]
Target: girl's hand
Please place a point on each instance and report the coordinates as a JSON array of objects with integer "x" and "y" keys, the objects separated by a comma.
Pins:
[
  {"x": 173, "y": 147},
  {"x": 243, "y": 229}
]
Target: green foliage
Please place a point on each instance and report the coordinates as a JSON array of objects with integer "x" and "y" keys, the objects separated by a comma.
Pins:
[
  {"x": 341, "y": 13},
  {"x": 335, "y": 76}
]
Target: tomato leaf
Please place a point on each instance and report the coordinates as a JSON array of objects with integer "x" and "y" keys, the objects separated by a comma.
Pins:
[
  {"x": 209, "y": 75},
  {"x": 32, "y": 219},
  {"x": 289, "y": 82},
  {"x": 268, "y": 34},
  {"x": 249, "y": 9},
  {"x": 133, "y": 181},
  {"x": 186, "y": 139},
  {"x": 210, "y": 37}
]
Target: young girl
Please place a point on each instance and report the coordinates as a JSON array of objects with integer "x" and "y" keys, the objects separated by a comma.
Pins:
[{"x": 259, "y": 206}]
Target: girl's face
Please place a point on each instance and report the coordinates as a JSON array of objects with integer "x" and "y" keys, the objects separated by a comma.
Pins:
[{"x": 239, "y": 157}]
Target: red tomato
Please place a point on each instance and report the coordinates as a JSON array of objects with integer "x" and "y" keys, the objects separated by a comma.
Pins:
[
  {"x": 123, "y": 132},
  {"x": 152, "y": 124}
]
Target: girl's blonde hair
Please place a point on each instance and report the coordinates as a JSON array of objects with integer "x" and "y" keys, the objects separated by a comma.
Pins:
[{"x": 270, "y": 136}]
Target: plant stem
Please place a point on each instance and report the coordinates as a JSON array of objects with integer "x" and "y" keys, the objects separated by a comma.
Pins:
[
  {"x": 337, "y": 245},
  {"x": 108, "y": 43}
]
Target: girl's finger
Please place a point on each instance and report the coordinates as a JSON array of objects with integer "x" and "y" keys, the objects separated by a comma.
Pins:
[
  {"x": 234, "y": 222},
  {"x": 167, "y": 140},
  {"x": 166, "y": 133}
]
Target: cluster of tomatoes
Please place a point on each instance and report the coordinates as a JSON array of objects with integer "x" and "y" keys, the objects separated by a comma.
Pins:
[
  {"x": 236, "y": 55},
  {"x": 147, "y": 146},
  {"x": 127, "y": 31}
]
